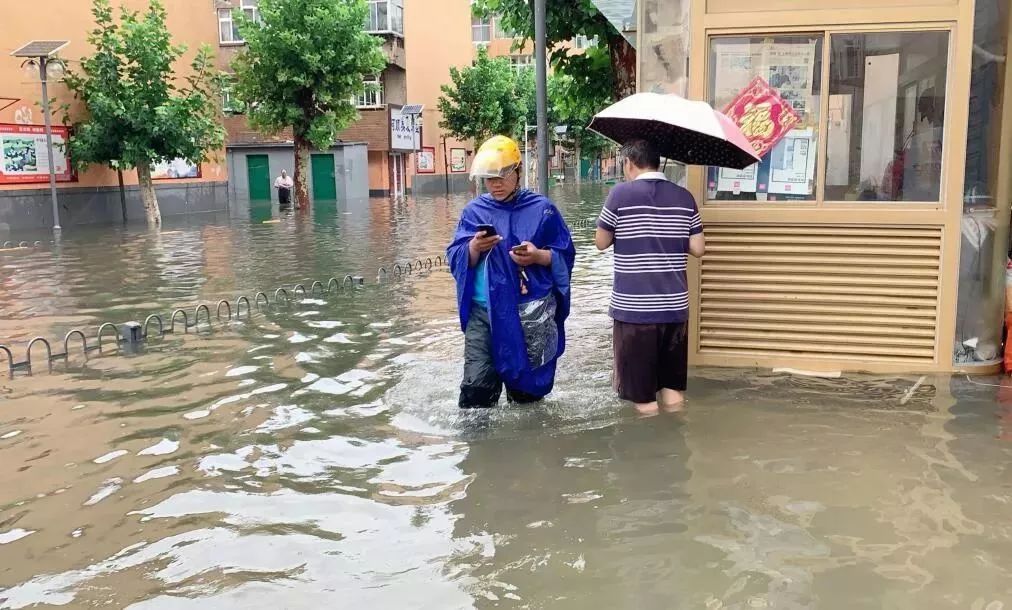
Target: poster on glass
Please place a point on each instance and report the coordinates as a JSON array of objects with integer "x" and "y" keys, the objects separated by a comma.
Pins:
[
  {"x": 792, "y": 164},
  {"x": 769, "y": 87}
]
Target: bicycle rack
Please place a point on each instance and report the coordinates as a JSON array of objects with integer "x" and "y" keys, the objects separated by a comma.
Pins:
[
  {"x": 172, "y": 320},
  {"x": 228, "y": 307},
  {"x": 101, "y": 332},
  {"x": 238, "y": 311},
  {"x": 49, "y": 353},
  {"x": 66, "y": 344}
]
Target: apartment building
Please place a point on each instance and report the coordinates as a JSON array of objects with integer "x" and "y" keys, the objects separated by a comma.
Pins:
[{"x": 381, "y": 127}]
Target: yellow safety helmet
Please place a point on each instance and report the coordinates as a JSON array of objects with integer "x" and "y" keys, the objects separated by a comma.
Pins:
[{"x": 496, "y": 158}]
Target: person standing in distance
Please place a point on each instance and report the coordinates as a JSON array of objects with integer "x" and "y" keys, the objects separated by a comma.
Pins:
[
  {"x": 284, "y": 184},
  {"x": 654, "y": 225}
]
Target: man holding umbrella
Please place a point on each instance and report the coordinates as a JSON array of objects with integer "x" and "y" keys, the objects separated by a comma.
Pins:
[{"x": 654, "y": 225}]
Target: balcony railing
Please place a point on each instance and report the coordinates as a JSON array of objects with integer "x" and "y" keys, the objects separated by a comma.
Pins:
[{"x": 385, "y": 17}]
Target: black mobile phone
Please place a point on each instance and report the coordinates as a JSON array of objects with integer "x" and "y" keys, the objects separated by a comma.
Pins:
[{"x": 488, "y": 230}]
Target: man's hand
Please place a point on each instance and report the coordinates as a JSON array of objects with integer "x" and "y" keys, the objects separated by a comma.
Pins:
[
  {"x": 527, "y": 255},
  {"x": 481, "y": 244}
]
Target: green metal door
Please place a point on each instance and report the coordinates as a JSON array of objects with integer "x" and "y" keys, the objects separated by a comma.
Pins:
[
  {"x": 258, "y": 170},
  {"x": 324, "y": 185}
]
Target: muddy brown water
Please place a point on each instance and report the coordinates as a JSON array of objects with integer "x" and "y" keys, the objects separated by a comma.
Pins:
[{"x": 314, "y": 457}]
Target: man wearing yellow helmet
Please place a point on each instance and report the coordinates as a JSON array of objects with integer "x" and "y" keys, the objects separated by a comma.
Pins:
[{"x": 512, "y": 258}]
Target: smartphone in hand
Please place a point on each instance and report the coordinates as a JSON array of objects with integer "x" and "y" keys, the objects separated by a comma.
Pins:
[
  {"x": 488, "y": 230},
  {"x": 521, "y": 249}
]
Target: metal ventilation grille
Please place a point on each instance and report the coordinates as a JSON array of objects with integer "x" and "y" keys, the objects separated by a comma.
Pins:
[{"x": 863, "y": 293}]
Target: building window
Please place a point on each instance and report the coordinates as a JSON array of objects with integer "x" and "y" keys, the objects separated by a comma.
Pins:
[
  {"x": 501, "y": 32},
  {"x": 481, "y": 31},
  {"x": 228, "y": 29},
  {"x": 228, "y": 33},
  {"x": 385, "y": 17},
  {"x": 229, "y": 105},
  {"x": 887, "y": 115},
  {"x": 883, "y": 128},
  {"x": 372, "y": 97},
  {"x": 521, "y": 62},
  {"x": 582, "y": 42}
]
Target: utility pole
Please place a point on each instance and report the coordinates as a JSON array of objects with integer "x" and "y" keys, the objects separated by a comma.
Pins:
[{"x": 541, "y": 84}]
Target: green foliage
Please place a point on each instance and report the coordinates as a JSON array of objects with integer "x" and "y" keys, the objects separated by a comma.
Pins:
[
  {"x": 303, "y": 64},
  {"x": 137, "y": 112},
  {"x": 565, "y": 20},
  {"x": 526, "y": 90},
  {"x": 486, "y": 99},
  {"x": 574, "y": 102}
]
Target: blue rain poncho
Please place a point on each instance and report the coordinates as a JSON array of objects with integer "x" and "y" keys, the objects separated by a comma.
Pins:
[{"x": 519, "y": 350}]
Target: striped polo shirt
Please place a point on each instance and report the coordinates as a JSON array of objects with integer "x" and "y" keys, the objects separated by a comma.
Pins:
[{"x": 652, "y": 219}]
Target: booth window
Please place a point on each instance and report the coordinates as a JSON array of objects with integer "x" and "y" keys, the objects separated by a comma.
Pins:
[
  {"x": 883, "y": 125},
  {"x": 886, "y": 116},
  {"x": 776, "y": 81}
]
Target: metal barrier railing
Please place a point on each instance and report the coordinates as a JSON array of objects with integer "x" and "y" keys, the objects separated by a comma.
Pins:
[
  {"x": 133, "y": 333},
  {"x": 11, "y": 245}
]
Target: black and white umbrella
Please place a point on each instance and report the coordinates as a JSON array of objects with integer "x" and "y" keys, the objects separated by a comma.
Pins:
[{"x": 682, "y": 130}]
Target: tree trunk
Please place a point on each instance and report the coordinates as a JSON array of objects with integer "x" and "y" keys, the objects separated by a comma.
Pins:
[
  {"x": 147, "y": 187},
  {"x": 623, "y": 64},
  {"x": 301, "y": 176},
  {"x": 122, "y": 193}
]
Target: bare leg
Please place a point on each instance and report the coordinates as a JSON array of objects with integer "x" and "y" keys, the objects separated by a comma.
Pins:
[
  {"x": 673, "y": 400},
  {"x": 647, "y": 409}
]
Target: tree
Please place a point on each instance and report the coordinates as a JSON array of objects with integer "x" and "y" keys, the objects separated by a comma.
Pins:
[
  {"x": 304, "y": 63},
  {"x": 565, "y": 21},
  {"x": 137, "y": 114},
  {"x": 485, "y": 99},
  {"x": 573, "y": 103}
]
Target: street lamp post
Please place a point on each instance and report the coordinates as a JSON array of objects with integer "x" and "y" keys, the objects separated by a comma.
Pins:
[
  {"x": 39, "y": 52},
  {"x": 541, "y": 89},
  {"x": 527, "y": 155},
  {"x": 49, "y": 142}
]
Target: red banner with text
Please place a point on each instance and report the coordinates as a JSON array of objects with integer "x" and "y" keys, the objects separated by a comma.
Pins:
[{"x": 24, "y": 157}]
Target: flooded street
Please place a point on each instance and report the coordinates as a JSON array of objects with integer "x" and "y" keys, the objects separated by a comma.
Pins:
[{"x": 313, "y": 456}]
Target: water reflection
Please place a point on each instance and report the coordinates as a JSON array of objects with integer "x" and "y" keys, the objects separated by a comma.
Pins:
[{"x": 315, "y": 453}]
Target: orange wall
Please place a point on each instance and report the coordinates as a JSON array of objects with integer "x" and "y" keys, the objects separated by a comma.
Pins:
[
  {"x": 437, "y": 35},
  {"x": 379, "y": 171},
  {"x": 191, "y": 22}
]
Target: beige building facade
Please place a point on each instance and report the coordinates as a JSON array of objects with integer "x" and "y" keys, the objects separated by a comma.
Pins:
[
  {"x": 379, "y": 108},
  {"x": 90, "y": 195}
]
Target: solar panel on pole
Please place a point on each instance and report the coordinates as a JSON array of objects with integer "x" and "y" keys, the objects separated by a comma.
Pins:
[{"x": 40, "y": 48}]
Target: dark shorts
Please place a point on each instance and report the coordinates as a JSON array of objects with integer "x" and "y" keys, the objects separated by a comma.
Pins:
[{"x": 649, "y": 358}]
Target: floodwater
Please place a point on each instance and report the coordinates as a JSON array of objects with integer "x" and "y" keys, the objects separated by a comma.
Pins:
[{"x": 313, "y": 456}]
